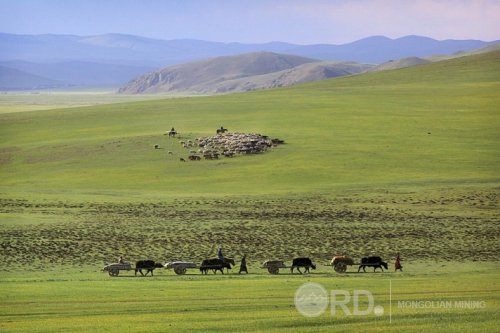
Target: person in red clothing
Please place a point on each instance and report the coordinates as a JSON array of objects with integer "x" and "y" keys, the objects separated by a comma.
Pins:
[{"x": 397, "y": 264}]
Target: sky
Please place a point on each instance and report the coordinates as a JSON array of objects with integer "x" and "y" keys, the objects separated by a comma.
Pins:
[{"x": 256, "y": 21}]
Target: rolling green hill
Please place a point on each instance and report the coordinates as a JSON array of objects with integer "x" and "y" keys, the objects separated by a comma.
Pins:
[
  {"x": 400, "y": 63},
  {"x": 429, "y": 124}
]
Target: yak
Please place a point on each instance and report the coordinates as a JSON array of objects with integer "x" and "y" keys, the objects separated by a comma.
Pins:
[
  {"x": 374, "y": 261},
  {"x": 302, "y": 262},
  {"x": 148, "y": 265},
  {"x": 215, "y": 265}
]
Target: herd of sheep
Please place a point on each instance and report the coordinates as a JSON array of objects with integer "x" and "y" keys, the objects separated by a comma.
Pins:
[{"x": 228, "y": 145}]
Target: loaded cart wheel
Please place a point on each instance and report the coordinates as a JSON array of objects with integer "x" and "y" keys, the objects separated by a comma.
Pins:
[
  {"x": 180, "y": 270},
  {"x": 340, "y": 267},
  {"x": 273, "y": 269},
  {"x": 114, "y": 272}
]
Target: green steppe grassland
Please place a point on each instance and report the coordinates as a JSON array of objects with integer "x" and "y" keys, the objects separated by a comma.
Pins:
[{"x": 397, "y": 161}]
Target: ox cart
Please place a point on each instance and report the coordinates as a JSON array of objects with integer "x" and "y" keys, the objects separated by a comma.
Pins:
[
  {"x": 340, "y": 263},
  {"x": 180, "y": 267},
  {"x": 273, "y": 266},
  {"x": 115, "y": 268}
]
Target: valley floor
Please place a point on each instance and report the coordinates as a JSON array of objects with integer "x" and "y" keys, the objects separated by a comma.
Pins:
[{"x": 21, "y": 101}]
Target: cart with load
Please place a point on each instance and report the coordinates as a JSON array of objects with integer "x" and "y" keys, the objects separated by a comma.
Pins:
[
  {"x": 180, "y": 267},
  {"x": 273, "y": 266},
  {"x": 340, "y": 263},
  {"x": 115, "y": 268}
]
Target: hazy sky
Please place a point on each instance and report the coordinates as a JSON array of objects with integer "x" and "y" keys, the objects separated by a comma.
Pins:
[{"x": 295, "y": 21}]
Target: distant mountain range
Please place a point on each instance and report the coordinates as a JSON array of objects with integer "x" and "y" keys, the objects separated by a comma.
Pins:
[
  {"x": 14, "y": 79},
  {"x": 134, "y": 50},
  {"x": 113, "y": 59},
  {"x": 73, "y": 73}
]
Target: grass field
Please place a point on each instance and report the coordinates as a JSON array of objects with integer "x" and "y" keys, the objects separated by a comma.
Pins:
[
  {"x": 398, "y": 161},
  {"x": 446, "y": 297}
]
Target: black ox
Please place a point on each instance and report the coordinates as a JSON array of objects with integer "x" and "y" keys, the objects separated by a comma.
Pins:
[
  {"x": 302, "y": 262},
  {"x": 215, "y": 265},
  {"x": 374, "y": 261},
  {"x": 148, "y": 265}
]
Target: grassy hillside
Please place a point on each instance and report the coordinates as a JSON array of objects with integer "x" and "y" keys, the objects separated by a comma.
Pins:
[
  {"x": 400, "y": 63},
  {"x": 308, "y": 72},
  {"x": 425, "y": 125}
]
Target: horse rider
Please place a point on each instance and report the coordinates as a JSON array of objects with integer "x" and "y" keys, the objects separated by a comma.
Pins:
[{"x": 220, "y": 255}]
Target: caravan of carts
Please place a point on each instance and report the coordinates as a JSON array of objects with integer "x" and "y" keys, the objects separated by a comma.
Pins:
[{"x": 338, "y": 263}]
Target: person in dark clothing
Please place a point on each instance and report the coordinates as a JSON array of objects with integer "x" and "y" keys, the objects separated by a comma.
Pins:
[
  {"x": 219, "y": 254},
  {"x": 243, "y": 265}
]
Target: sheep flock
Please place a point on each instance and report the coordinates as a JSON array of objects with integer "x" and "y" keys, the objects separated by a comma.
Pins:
[{"x": 228, "y": 145}]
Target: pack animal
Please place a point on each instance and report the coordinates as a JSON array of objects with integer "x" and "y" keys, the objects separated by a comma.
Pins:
[
  {"x": 215, "y": 265},
  {"x": 148, "y": 265},
  {"x": 374, "y": 261},
  {"x": 302, "y": 262}
]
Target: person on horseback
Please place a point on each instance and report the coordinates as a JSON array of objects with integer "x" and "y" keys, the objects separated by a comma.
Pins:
[
  {"x": 172, "y": 132},
  {"x": 220, "y": 255}
]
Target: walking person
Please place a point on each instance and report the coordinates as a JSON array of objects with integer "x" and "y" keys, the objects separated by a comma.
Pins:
[
  {"x": 397, "y": 263},
  {"x": 243, "y": 265}
]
